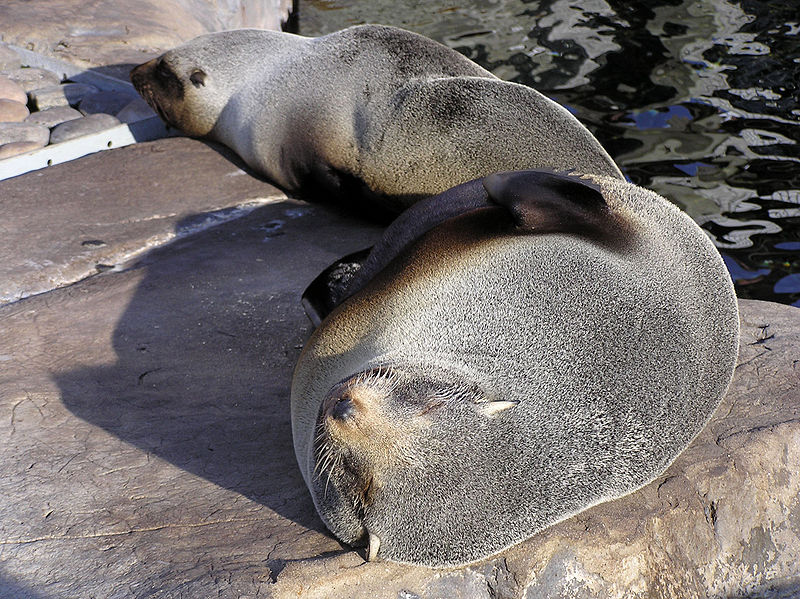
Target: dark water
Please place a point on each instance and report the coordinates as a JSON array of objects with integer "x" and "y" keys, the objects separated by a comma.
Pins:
[{"x": 697, "y": 100}]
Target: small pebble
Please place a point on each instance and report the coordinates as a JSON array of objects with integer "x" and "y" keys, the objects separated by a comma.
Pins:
[
  {"x": 10, "y": 90},
  {"x": 105, "y": 101},
  {"x": 8, "y": 58},
  {"x": 83, "y": 126},
  {"x": 54, "y": 116},
  {"x": 13, "y": 132},
  {"x": 94, "y": 243},
  {"x": 12, "y": 112},
  {"x": 18, "y": 147},
  {"x": 135, "y": 111},
  {"x": 69, "y": 94},
  {"x": 30, "y": 78}
]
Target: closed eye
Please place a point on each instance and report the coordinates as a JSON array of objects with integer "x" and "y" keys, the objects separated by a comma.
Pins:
[{"x": 432, "y": 406}]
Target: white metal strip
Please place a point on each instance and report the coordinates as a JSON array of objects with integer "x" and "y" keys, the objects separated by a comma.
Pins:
[{"x": 116, "y": 137}]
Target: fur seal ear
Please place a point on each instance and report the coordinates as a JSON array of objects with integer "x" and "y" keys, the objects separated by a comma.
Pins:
[
  {"x": 548, "y": 202},
  {"x": 198, "y": 77}
]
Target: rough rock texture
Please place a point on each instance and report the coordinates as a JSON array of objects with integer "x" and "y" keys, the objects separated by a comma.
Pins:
[
  {"x": 54, "y": 116},
  {"x": 114, "y": 32},
  {"x": 11, "y": 132},
  {"x": 72, "y": 219},
  {"x": 31, "y": 78},
  {"x": 15, "y": 148},
  {"x": 146, "y": 439},
  {"x": 8, "y": 58},
  {"x": 68, "y": 94},
  {"x": 105, "y": 101},
  {"x": 82, "y": 126},
  {"x": 11, "y": 90},
  {"x": 134, "y": 111},
  {"x": 12, "y": 111}
]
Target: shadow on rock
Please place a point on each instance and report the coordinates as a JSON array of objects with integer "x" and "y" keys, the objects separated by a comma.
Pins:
[
  {"x": 12, "y": 590},
  {"x": 206, "y": 348}
]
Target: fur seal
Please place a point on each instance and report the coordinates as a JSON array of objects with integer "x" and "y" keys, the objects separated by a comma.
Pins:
[
  {"x": 371, "y": 114},
  {"x": 525, "y": 346}
]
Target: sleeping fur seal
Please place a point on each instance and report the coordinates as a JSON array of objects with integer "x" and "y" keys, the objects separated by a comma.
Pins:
[
  {"x": 524, "y": 347},
  {"x": 375, "y": 113}
]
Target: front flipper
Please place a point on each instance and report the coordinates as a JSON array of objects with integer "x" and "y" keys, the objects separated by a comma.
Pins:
[
  {"x": 330, "y": 287},
  {"x": 537, "y": 202}
]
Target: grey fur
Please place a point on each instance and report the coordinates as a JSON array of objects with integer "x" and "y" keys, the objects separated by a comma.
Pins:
[
  {"x": 370, "y": 112},
  {"x": 509, "y": 379}
]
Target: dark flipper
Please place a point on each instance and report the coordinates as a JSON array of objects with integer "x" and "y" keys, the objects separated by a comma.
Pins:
[
  {"x": 346, "y": 276},
  {"x": 330, "y": 287},
  {"x": 547, "y": 202}
]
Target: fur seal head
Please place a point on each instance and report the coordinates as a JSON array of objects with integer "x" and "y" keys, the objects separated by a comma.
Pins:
[
  {"x": 376, "y": 448},
  {"x": 189, "y": 86}
]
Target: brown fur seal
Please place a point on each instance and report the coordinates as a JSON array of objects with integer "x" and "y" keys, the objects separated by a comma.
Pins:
[
  {"x": 371, "y": 114},
  {"x": 524, "y": 347}
]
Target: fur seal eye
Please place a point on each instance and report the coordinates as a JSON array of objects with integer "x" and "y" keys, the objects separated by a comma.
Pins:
[
  {"x": 343, "y": 409},
  {"x": 198, "y": 78}
]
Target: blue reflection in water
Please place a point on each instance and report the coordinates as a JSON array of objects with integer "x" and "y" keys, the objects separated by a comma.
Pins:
[
  {"x": 691, "y": 168},
  {"x": 788, "y": 245},
  {"x": 659, "y": 118},
  {"x": 740, "y": 273},
  {"x": 788, "y": 284}
]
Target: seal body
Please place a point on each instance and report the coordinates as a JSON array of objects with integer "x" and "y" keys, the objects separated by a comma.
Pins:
[
  {"x": 372, "y": 113},
  {"x": 554, "y": 344}
]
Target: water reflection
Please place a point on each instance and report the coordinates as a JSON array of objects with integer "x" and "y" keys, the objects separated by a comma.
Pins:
[{"x": 695, "y": 99}]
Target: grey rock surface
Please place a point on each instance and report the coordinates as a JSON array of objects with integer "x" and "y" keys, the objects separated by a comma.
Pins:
[
  {"x": 105, "y": 101},
  {"x": 31, "y": 78},
  {"x": 117, "y": 34},
  {"x": 12, "y": 132},
  {"x": 15, "y": 148},
  {"x": 11, "y": 90},
  {"x": 134, "y": 111},
  {"x": 82, "y": 126},
  {"x": 147, "y": 447},
  {"x": 8, "y": 58},
  {"x": 65, "y": 222},
  {"x": 54, "y": 116},
  {"x": 147, "y": 444},
  {"x": 68, "y": 94},
  {"x": 12, "y": 111}
]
